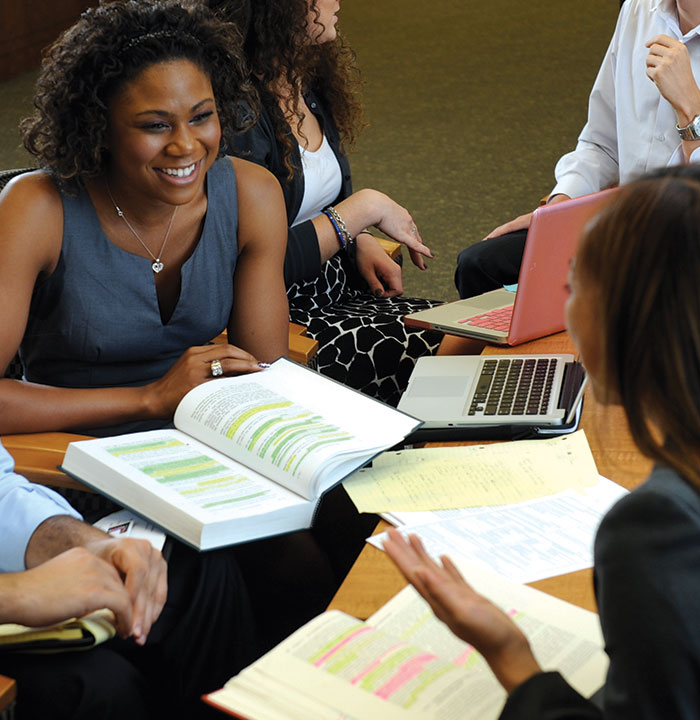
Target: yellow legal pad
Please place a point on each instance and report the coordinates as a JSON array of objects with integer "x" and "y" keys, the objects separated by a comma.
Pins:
[{"x": 74, "y": 634}]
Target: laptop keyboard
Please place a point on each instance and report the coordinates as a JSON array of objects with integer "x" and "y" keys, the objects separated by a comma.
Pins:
[
  {"x": 514, "y": 387},
  {"x": 498, "y": 319}
]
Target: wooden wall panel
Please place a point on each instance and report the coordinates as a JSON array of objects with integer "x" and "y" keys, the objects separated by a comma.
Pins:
[{"x": 27, "y": 26}]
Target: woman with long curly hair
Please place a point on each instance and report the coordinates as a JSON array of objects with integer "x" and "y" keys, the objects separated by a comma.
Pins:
[
  {"x": 341, "y": 284},
  {"x": 634, "y": 314}
]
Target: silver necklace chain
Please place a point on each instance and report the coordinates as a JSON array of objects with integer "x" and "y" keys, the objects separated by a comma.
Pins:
[{"x": 156, "y": 265}]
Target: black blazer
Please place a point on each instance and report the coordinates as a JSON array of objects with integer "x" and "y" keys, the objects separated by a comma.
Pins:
[
  {"x": 647, "y": 582},
  {"x": 259, "y": 144}
]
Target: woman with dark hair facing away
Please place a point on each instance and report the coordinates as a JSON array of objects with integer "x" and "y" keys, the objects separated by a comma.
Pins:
[
  {"x": 133, "y": 245},
  {"x": 634, "y": 313},
  {"x": 341, "y": 285}
]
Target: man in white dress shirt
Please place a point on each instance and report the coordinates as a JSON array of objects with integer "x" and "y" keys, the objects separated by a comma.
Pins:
[{"x": 643, "y": 113}]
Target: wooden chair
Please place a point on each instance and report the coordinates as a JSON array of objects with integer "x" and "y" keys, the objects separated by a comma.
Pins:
[
  {"x": 391, "y": 248},
  {"x": 8, "y": 694},
  {"x": 38, "y": 455}
]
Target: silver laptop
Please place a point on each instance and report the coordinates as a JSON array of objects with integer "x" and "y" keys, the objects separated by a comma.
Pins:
[
  {"x": 494, "y": 396},
  {"x": 537, "y": 309}
]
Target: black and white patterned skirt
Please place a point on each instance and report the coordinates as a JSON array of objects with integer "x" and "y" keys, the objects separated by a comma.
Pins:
[{"x": 363, "y": 341}]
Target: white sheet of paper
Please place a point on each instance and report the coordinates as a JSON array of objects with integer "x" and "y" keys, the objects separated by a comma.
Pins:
[{"x": 524, "y": 541}]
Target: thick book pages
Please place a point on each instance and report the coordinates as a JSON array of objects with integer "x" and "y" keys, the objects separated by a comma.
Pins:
[
  {"x": 75, "y": 634},
  {"x": 250, "y": 458},
  {"x": 404, "y": 663}
]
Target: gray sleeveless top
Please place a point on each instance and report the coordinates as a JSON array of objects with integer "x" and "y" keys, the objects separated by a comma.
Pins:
[{"x": 95, "y": 322}]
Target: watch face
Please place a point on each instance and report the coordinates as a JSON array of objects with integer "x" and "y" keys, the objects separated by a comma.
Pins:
[
  {"x": 691, "y": 131},
  {"x": 695, "y": 128}
]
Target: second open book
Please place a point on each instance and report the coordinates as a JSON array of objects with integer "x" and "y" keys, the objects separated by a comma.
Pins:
[
  {"x": 403, "y": 663},
  {"x": 250, "y": 458}
]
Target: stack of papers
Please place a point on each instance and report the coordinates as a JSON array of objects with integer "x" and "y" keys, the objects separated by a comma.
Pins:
[{"x": 526, "y": 510}]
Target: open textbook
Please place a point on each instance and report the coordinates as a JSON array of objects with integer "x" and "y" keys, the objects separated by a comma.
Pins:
[
  {"x": 403, "y": 663},
  {"x": 250, "y": 458}
]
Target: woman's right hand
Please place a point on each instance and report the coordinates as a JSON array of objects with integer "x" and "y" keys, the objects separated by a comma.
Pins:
[
  {"x": 468, "y": 614},
  {"x": 191, "y": 369},
  {"x": 396, "y": 222}
]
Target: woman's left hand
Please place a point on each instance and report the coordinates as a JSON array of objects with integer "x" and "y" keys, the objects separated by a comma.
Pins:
[
  {"x": 380, "y": 272},
  {"x": 469, "y": 615}
]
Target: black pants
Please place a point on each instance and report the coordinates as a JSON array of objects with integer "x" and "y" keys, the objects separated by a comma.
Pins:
[
  {"x": 292, "y": 578},
  {"x": 224, "y": 609},
  {"x": 205, "y": 634},
  {"x": 489, "y": 265}
]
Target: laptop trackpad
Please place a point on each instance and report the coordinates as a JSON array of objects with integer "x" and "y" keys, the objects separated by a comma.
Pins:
[
  {"x": 437, "y": 386},
  {"x": 440, "y": 393}
]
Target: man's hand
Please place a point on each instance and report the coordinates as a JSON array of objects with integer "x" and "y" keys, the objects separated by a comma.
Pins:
[
  {"x": 668, "y": 67},
  {"x": 72, "y": 584},
  {"x": 144, "y": 574},
  {"x": 138, "y": 567},
  {"x": 522, "y": 222}
]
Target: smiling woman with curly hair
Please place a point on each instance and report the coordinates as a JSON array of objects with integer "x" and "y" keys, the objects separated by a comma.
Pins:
[
  {"x": 137, "y": 241},
  {"x": 80, "y": 74},
  {"x": 340, "y": 283}
]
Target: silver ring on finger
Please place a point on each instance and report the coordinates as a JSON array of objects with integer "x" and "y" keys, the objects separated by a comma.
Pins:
[
  {"x": 414, "y": 229},
  {"x": 216, "y": 368}
]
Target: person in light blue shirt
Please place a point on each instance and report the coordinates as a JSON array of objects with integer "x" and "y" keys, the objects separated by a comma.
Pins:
[
  {"x": 42, "y": 536},
  {"x": 53, "y": 567}
]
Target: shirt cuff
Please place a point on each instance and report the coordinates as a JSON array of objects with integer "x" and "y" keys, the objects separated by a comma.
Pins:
[
  {"x": 547, "y": 694},
  {"x": 572, "y": 186},
  {"x": 677, "y": 158},
  {"x": 28, "y": 506}
]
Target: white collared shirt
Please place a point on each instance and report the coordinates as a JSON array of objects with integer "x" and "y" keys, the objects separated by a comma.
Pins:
[{"x": 631, "y": 128}]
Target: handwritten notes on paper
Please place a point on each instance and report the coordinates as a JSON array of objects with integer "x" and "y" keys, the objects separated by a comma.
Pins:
[{"x": 473, "y": 476}]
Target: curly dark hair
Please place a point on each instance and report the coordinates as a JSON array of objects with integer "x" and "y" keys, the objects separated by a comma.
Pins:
[
  {"x": 109, "y": 46},
  {"x": 278, "y": 50}
]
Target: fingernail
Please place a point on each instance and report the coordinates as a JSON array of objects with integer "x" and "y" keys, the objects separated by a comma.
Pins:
[
  {"x": 378, "y": 293},
  {"x": 263, "y": 365}
]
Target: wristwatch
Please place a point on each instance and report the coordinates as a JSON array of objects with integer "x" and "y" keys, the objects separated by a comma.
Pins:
[{"x": 691, "y": 131}]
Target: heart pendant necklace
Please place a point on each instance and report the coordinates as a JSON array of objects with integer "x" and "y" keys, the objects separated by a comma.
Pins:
[{"x": 156, "y": 265}]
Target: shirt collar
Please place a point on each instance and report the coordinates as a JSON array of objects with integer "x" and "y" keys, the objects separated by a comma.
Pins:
[{"x": 668, "y": 10}]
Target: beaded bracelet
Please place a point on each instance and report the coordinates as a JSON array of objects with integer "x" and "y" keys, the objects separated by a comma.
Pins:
[{"x": 339, "y": 226}]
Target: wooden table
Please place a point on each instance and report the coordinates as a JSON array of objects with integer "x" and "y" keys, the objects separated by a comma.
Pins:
[{"x": 373, "y": 579}]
